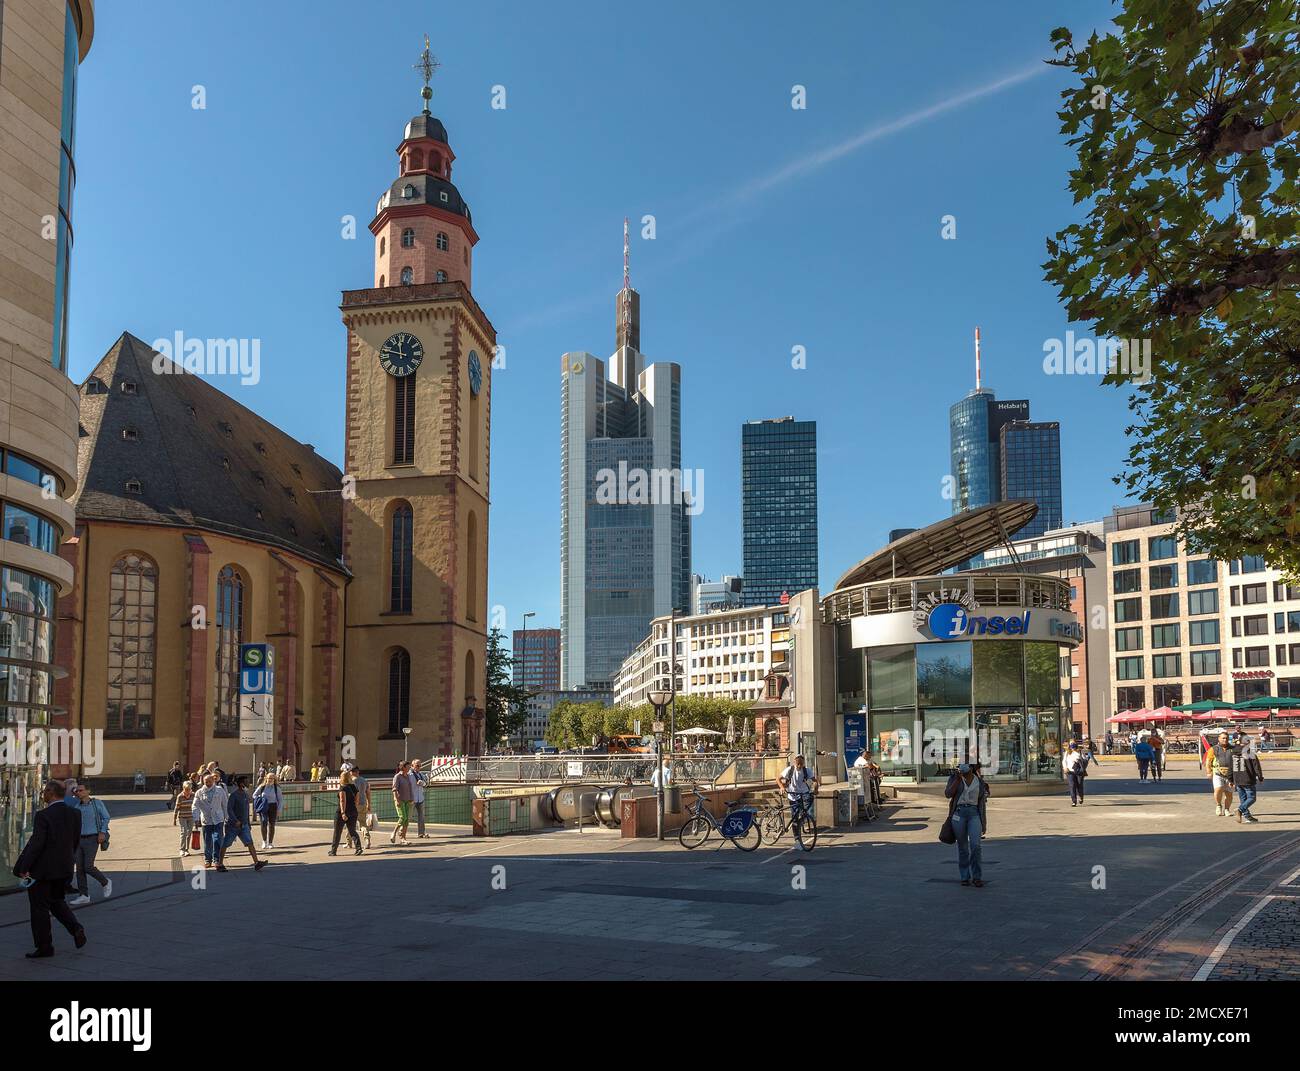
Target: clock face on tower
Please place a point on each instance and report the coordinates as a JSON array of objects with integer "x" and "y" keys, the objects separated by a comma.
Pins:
[
  {"x": 475, "y": 373},
  {"x": 401, "y": 354}
]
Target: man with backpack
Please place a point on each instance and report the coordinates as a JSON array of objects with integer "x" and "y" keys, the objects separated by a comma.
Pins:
[
  {"x": 1246, "y": 774},
  {"x": 1075, "y": 763},
  {"x": 799, "y": 784},
  {"x": 175, "y": 778}
]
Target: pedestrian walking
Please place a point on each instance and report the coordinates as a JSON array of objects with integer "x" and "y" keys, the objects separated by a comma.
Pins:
[
  {"x": 662, "y": 777},
  {"x": 238, "y": 823},
  {"x": 1218, "y": 764},
  {"x": 1157, "y": 742},
  {"x": 1108, "y": 745},
  {"x": 1144, "y": 753},
  {"x": 967, "y": 792},
  {"x": 44, "y": 867},
  {"x": 175, "y": 778},
  {"x": 267, "y": 801},
  {"x": 183, "y": 816},
  {"x": 1247, "y": 775},
  {"x": 418, "y": 780},
  {"x": 94, "y": 836},
  {"x": 403, "y": 795},
  {"x": 346, "y": 814},
  {"x": 1075, "y": 763},
  {"x": 365, "y": 816},
  {"x": 211, "y": 804}
]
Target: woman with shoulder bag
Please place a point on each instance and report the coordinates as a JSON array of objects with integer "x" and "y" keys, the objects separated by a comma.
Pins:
[
  {"x": 266, "y": 805},
  {"x": 968, "y": 820}
]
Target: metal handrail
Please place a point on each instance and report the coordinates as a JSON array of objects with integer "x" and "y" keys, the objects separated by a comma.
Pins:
[{"x": 986, "y": 589}]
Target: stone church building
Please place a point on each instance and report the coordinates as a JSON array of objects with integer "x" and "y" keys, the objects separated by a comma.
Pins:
[{"x": 201, "y": 526}]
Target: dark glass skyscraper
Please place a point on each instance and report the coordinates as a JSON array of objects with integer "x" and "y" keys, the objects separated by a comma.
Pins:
[
  {"x": 999, "y": 454},
  {"x": 1031, "y": 468},
  {"x": 778, "y": 472}
]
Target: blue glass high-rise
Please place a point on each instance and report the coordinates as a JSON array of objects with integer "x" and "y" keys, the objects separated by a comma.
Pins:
[{"x": 779, "y": 508}]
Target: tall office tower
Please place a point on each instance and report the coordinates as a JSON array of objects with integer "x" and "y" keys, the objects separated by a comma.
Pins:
[
  {"x": 537, "y": 659},
  {"x": 778, "y": 476},
  {"x": 997, "y": 454},
  {"x": 1031, "y": 468},
  {"x": 625, "y": 542},
  {"x": 42, "y": 43}
]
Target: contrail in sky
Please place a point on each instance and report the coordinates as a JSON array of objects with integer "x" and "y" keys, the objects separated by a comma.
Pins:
[{"x": 804, "y": 165}]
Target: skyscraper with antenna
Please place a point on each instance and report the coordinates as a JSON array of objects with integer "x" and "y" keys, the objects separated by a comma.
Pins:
[
  {"x": 998, "y": 454},
  {"x": 622, "y": 561}
]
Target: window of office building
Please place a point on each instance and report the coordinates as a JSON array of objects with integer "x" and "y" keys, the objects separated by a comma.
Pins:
[
  {"x": 1203, "y": 602},
  {"x": 1128, "y": 609},
  {"x": 1164, "y": 606},
  {"x": 1131, "y": 697},
  {"x": 1167, "y": 665},
  {"x": 1207, "y": 691},
  {"x": 1159, "y": 547},
  {"x": 1201, "y": 633},
  {"x": 1206, "y": 664},
  {"x": 1164, "y": 636},
  {"x": 1128, "y": 639},
  {"x": 1204, "y": 571},
  {"x": 1126, "y": 580},
  {"x": 1127, "y": 552},
  {"x": 1162, "y": 576},
  {"x": 1247, "y": 563},
  {"x": 1129, "y": 669}
]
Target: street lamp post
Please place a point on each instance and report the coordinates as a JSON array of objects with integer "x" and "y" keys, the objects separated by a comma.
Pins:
[
  {"x": 659, "y": 698},
  {"x": 406, "y": 742}
]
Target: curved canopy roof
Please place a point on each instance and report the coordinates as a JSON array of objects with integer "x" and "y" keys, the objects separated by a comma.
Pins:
[{"x": 951, "y": 541}]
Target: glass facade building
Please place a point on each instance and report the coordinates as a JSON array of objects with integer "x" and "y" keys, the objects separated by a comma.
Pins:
[
  {"x": 1031, "y": 469},
  {"x": 41, "y": 48},
  {"x": 537, "y": 659},
  {"x": 778, "y": 508}
]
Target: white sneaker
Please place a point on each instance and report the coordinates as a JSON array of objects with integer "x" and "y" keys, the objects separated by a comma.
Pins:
[
  {"x": 1218, "y": 811},
  {"x": 78, "y": 901},
  {"x": 108, "y": 888},
  {"x": 263, "y": 845},
  {"x": 184, "y": 853}
]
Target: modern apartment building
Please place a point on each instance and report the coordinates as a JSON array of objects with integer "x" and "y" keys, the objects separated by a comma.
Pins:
[
  {"x": 1076, "y": 553},
  {"x": 778, "y": 481},
  {"x": 1185, "y": 627},
  {"x": 625, "y": 543},
  {"x": 541, "y": 704},
  {"x": 536, "y": 662},
  {"x": 42, "y": 43},
  {"x": 726, "y": 653}
]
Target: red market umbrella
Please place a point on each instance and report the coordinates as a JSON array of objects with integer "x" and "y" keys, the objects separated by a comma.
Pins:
[{"x": 1163, "y": 714}]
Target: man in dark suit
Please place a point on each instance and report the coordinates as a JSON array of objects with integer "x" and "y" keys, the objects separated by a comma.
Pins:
[{"x": 47, "y": 859}]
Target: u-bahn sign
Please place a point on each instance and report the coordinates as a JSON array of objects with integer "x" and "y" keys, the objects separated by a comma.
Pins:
[
  {"x": 256, "y": 693},
  {"x": 256, "y": 669}
]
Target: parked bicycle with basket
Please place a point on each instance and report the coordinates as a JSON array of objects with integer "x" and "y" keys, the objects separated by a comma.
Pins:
[{"x": 739, "y": 825}]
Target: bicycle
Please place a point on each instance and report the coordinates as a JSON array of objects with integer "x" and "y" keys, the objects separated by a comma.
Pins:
[
  {"x": 738, "y": 825},
  {"x": 779, "y": 816}
]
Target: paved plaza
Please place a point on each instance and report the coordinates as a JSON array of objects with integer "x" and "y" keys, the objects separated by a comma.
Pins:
[{"x": 1142, "y": 882}]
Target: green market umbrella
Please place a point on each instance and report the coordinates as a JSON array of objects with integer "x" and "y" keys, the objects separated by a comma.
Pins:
[
  {"x": 1202, "y": 707},
  {"x": 1268, "y": 702}
]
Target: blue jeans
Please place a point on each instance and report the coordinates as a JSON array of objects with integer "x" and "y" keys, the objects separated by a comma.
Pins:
[
  {"x": 212, "y": 844},
  {"x": 1142, "y": 768},
  {"x": 970, "y": 830},
  {"x": 1076, "y": 787},
  {"x": 1245, "y": 798}
]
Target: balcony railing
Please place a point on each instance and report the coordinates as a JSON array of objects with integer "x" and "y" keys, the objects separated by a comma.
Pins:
[{"x": 987, "y": 589}]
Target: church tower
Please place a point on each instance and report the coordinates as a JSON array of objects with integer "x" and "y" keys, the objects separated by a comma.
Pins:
[{"x": 415, "y": 518}]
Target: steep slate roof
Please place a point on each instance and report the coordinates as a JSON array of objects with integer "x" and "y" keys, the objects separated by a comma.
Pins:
[{"x": 197, "y": 457}]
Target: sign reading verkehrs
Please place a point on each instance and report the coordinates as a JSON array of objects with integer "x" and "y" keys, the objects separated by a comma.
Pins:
[{"x": 256, "y": 693}]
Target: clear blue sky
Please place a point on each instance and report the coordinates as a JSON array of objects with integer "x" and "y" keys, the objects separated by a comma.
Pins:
[{"x": 775, "y": 228}]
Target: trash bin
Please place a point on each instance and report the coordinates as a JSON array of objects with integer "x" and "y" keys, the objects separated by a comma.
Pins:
[
  {"x": 673, "y": 799},
  {"x": 845, "y": 806}
]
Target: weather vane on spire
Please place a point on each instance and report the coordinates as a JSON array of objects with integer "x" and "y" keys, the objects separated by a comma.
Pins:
[{"x": 427, "y": 65}]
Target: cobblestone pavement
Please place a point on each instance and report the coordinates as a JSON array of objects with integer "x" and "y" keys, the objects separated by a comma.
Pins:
[
  {"x": 1142, "y": 876},
  {"x": 1268, "y": 949}
]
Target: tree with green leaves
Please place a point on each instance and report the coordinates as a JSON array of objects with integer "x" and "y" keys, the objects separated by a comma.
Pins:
[
  {"x": 1185, "y": 122},
  {"x": 506, "y": 707}
]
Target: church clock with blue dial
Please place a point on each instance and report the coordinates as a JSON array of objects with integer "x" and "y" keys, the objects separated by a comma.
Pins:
[
  {"x": 401, "y": 354},
  {"x": 475, "y": 373}
]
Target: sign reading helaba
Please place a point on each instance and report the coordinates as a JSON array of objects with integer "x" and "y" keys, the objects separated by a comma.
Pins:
[{"x": 949, "y": 620}]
